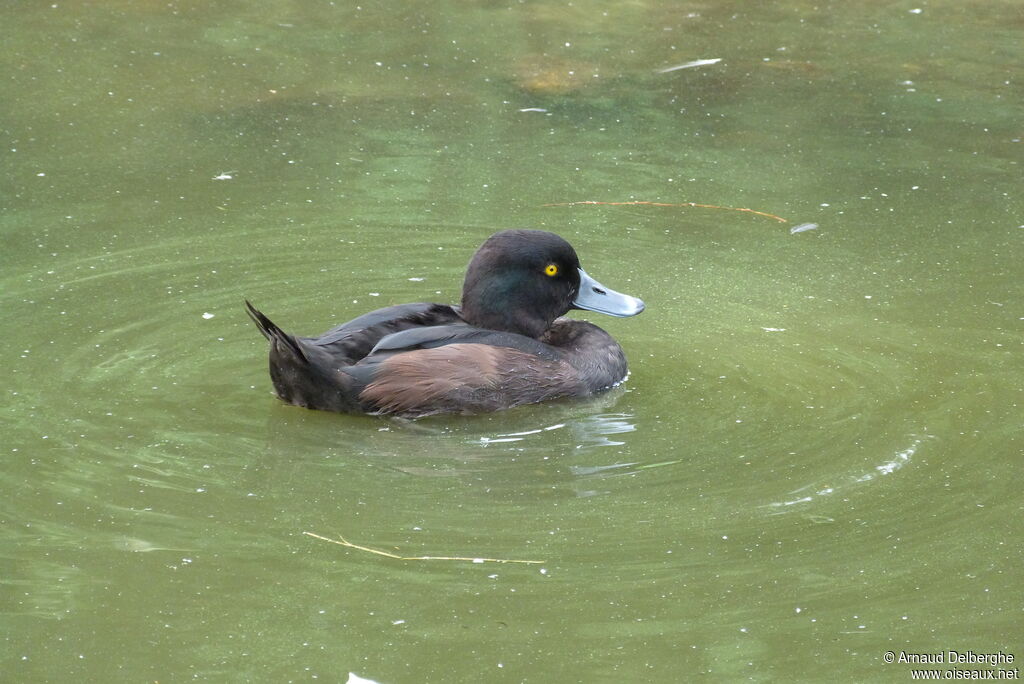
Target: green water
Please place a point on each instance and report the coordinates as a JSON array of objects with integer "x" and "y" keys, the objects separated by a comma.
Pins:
[{"x": 815, "y": 460}]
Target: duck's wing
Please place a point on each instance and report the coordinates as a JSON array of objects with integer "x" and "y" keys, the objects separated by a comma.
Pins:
[
  {"x": 352, "y": 341},
  {"x": 361, "y": 334},
  {"x": 423, "y": 314},
  {"x": 436, "y": 336}
]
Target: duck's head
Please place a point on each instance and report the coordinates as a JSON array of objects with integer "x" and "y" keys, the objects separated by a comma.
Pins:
[{"x": 522, "y": 280}]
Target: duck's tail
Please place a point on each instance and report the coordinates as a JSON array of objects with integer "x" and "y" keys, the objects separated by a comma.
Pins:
[
  {"x": 278, "y": 338},
  {"x": 301, "y": 374}
]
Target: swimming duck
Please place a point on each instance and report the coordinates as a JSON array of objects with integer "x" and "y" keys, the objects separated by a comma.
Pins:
[{"x": 506, "y": 345}]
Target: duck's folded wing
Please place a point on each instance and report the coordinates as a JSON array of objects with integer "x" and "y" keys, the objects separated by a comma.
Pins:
[
  {"x": 351, "y": 341},
  {"x": 423, "y": 313},
  {"x": 440, "y": 335}
]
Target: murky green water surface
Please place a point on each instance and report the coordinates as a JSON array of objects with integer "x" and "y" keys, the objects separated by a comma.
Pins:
[{"x": 816, "y": 458}]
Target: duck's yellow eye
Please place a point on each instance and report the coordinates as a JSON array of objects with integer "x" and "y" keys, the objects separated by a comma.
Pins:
[{"x": 551, "y": 270}]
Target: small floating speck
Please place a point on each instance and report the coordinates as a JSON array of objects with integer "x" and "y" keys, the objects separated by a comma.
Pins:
[
  {"x": 207, "y": 315},
  {"x": 225, "y": 175},
  {"x": 416, "y": 280},
  {"x": 773, "y": 329},
  {"x": 802, "y": 227}
]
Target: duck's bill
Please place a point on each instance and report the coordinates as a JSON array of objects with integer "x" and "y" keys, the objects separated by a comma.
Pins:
[{"x": 593, "y": 296}]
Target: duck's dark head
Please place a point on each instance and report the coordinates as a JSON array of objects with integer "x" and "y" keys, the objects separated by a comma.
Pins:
[{"x": 522, "y": 280}]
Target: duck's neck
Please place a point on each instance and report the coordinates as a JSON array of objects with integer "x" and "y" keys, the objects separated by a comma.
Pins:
[
  {"x": 502, "y": 304},
  {"x": 507, "y": 320}
]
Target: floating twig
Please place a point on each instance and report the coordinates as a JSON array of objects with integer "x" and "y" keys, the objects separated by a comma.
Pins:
[
  {"x": 341, "y": 541},
  {"x": 669, "y": 204}
]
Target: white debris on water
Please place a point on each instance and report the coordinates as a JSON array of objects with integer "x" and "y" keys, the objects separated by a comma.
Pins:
[
  {"x": 689, "y": 65},
  {"x": 802, "y": 227},
  {"x": 353, "y": 678},
  {"x": 207, "y": 315}
]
